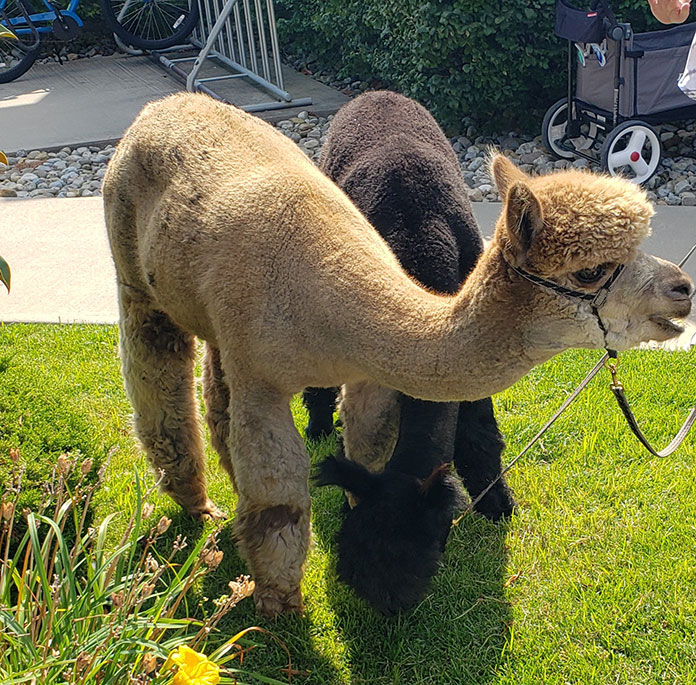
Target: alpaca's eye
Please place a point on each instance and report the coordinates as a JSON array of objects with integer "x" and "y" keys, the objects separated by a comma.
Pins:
[{"x": 590, "y": 276}]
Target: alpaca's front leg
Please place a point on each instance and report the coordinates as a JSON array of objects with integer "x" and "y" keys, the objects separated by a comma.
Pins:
[
  {"x": 370, "y": 417},
  {"x": 271, "y": 470},
  {"x": 426, "y": 436}
]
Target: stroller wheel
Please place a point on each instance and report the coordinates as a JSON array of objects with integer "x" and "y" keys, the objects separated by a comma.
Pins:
[
  {"x": 554, "y": 128},
  {"x": 632, "y": 150}
]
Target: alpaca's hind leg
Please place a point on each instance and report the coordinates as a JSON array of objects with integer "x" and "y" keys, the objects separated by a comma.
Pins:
[
  {"x": 157, "y": 359},
  {"x": 216, "y": 395},
  {"x": 320, "y": 403},
  {"x": 271, "y": 469},
  {"x": 477, "y": 451}
]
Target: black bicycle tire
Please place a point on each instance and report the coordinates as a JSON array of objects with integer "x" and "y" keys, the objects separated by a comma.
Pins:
[
  {"x": 178, "y": 37},
  {"x": 24, "y": 66},
  {"x": 21, "y": 68}
]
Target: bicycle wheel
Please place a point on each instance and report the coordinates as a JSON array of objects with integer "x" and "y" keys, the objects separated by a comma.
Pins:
[
  {"x": 151, "y": 24},
  {"x": 16, "y": 56}
]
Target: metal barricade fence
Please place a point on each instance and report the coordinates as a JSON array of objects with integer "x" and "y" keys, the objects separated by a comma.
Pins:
[{"x": 241, "y": 35}]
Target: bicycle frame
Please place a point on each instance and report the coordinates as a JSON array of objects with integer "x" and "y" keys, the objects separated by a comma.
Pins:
[{"x": 42, "y": 21}]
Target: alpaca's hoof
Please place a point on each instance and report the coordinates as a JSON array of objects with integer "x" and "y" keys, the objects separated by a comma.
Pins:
[
  {"x": 209, "y": 512},
  {"x": 271, "y": 602},
  {"x": 498, "y": 504}
]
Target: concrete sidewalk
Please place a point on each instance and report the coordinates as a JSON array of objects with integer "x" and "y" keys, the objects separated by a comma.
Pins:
[
  {"x": 61, "y": 265},
  {"x": 94, "y": 100},
  {"x": 62, "y": 269}
]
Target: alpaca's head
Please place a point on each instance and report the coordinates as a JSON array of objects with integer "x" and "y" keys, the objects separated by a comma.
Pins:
[
  {"x": 574, "y": 228},
  {"x": 391, "y": 541}
]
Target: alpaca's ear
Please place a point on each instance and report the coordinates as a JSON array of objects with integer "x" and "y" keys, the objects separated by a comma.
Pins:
[
  {"x": 439, "y": 489},
  {"x": 504, "y": 173},
  {"x": 524, "y": 219}
]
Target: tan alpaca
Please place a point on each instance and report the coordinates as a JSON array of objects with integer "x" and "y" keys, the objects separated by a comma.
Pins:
[{"x": 221, "y": 228}]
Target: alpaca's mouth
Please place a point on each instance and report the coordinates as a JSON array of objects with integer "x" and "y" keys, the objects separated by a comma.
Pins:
[{"x": 667, "y": 325}]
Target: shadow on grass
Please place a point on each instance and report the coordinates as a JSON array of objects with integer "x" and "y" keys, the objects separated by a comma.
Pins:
[{"x": 455, "y": 635}]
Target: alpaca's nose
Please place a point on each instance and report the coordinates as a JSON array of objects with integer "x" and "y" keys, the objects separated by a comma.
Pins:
[{"x": 682, "y": 288}]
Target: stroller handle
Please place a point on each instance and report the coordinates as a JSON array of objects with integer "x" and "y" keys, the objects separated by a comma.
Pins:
[{"x": 613, "y": 29}]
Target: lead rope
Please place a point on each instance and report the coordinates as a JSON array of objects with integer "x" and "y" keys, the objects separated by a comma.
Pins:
[
  {"x": 618, "y": 389},
  {"x": 610, "y": 360},
  {"x": 569, "y": 400}
]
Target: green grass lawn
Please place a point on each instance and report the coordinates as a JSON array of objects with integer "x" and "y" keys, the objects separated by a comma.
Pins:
[{"x": 592, "y": 581}]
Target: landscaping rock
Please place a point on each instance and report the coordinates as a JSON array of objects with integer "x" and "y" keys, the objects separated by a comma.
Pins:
[
  {"x": 78, "y": 172},
  {"x": 681, "y": 186}
]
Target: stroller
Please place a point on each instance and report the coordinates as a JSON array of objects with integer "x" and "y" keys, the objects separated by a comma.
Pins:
[{"x": 625, "y": 83}]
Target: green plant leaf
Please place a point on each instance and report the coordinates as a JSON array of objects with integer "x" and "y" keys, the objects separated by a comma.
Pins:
[
  {"x": 5, "y": 274},
  {"x": 6, "y": 33}
]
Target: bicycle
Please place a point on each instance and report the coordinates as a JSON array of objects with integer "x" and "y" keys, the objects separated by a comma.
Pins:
[{"x": 143, "y": 24}]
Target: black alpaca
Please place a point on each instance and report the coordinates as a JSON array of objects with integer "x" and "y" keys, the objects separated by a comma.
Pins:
[{"x": 392, "y": 159}]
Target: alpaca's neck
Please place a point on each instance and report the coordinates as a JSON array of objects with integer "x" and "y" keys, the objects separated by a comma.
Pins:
[{"x": 463, "y": 347}]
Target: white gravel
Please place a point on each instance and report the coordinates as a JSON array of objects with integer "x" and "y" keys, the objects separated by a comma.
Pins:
[
  {"x": 65, "y": 173},
  {"x": 77, "y": 172}
]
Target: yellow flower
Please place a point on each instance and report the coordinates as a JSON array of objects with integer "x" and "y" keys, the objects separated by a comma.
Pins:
[{"x": 194, "y": 668}]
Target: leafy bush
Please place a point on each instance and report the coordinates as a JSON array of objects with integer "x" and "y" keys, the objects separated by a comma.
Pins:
[
  {"x": 90, "y": 9},
  {"x": 84, "y": 613},
  {"x": 498, "y": 62}
]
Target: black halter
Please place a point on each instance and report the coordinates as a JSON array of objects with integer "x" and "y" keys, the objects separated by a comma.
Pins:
[{"x": 596, "y": 300}]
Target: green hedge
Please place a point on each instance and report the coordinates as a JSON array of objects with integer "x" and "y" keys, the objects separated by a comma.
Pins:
[
  {"x": 90, "y": 9},
  {"x": 494, "y": 60}
]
